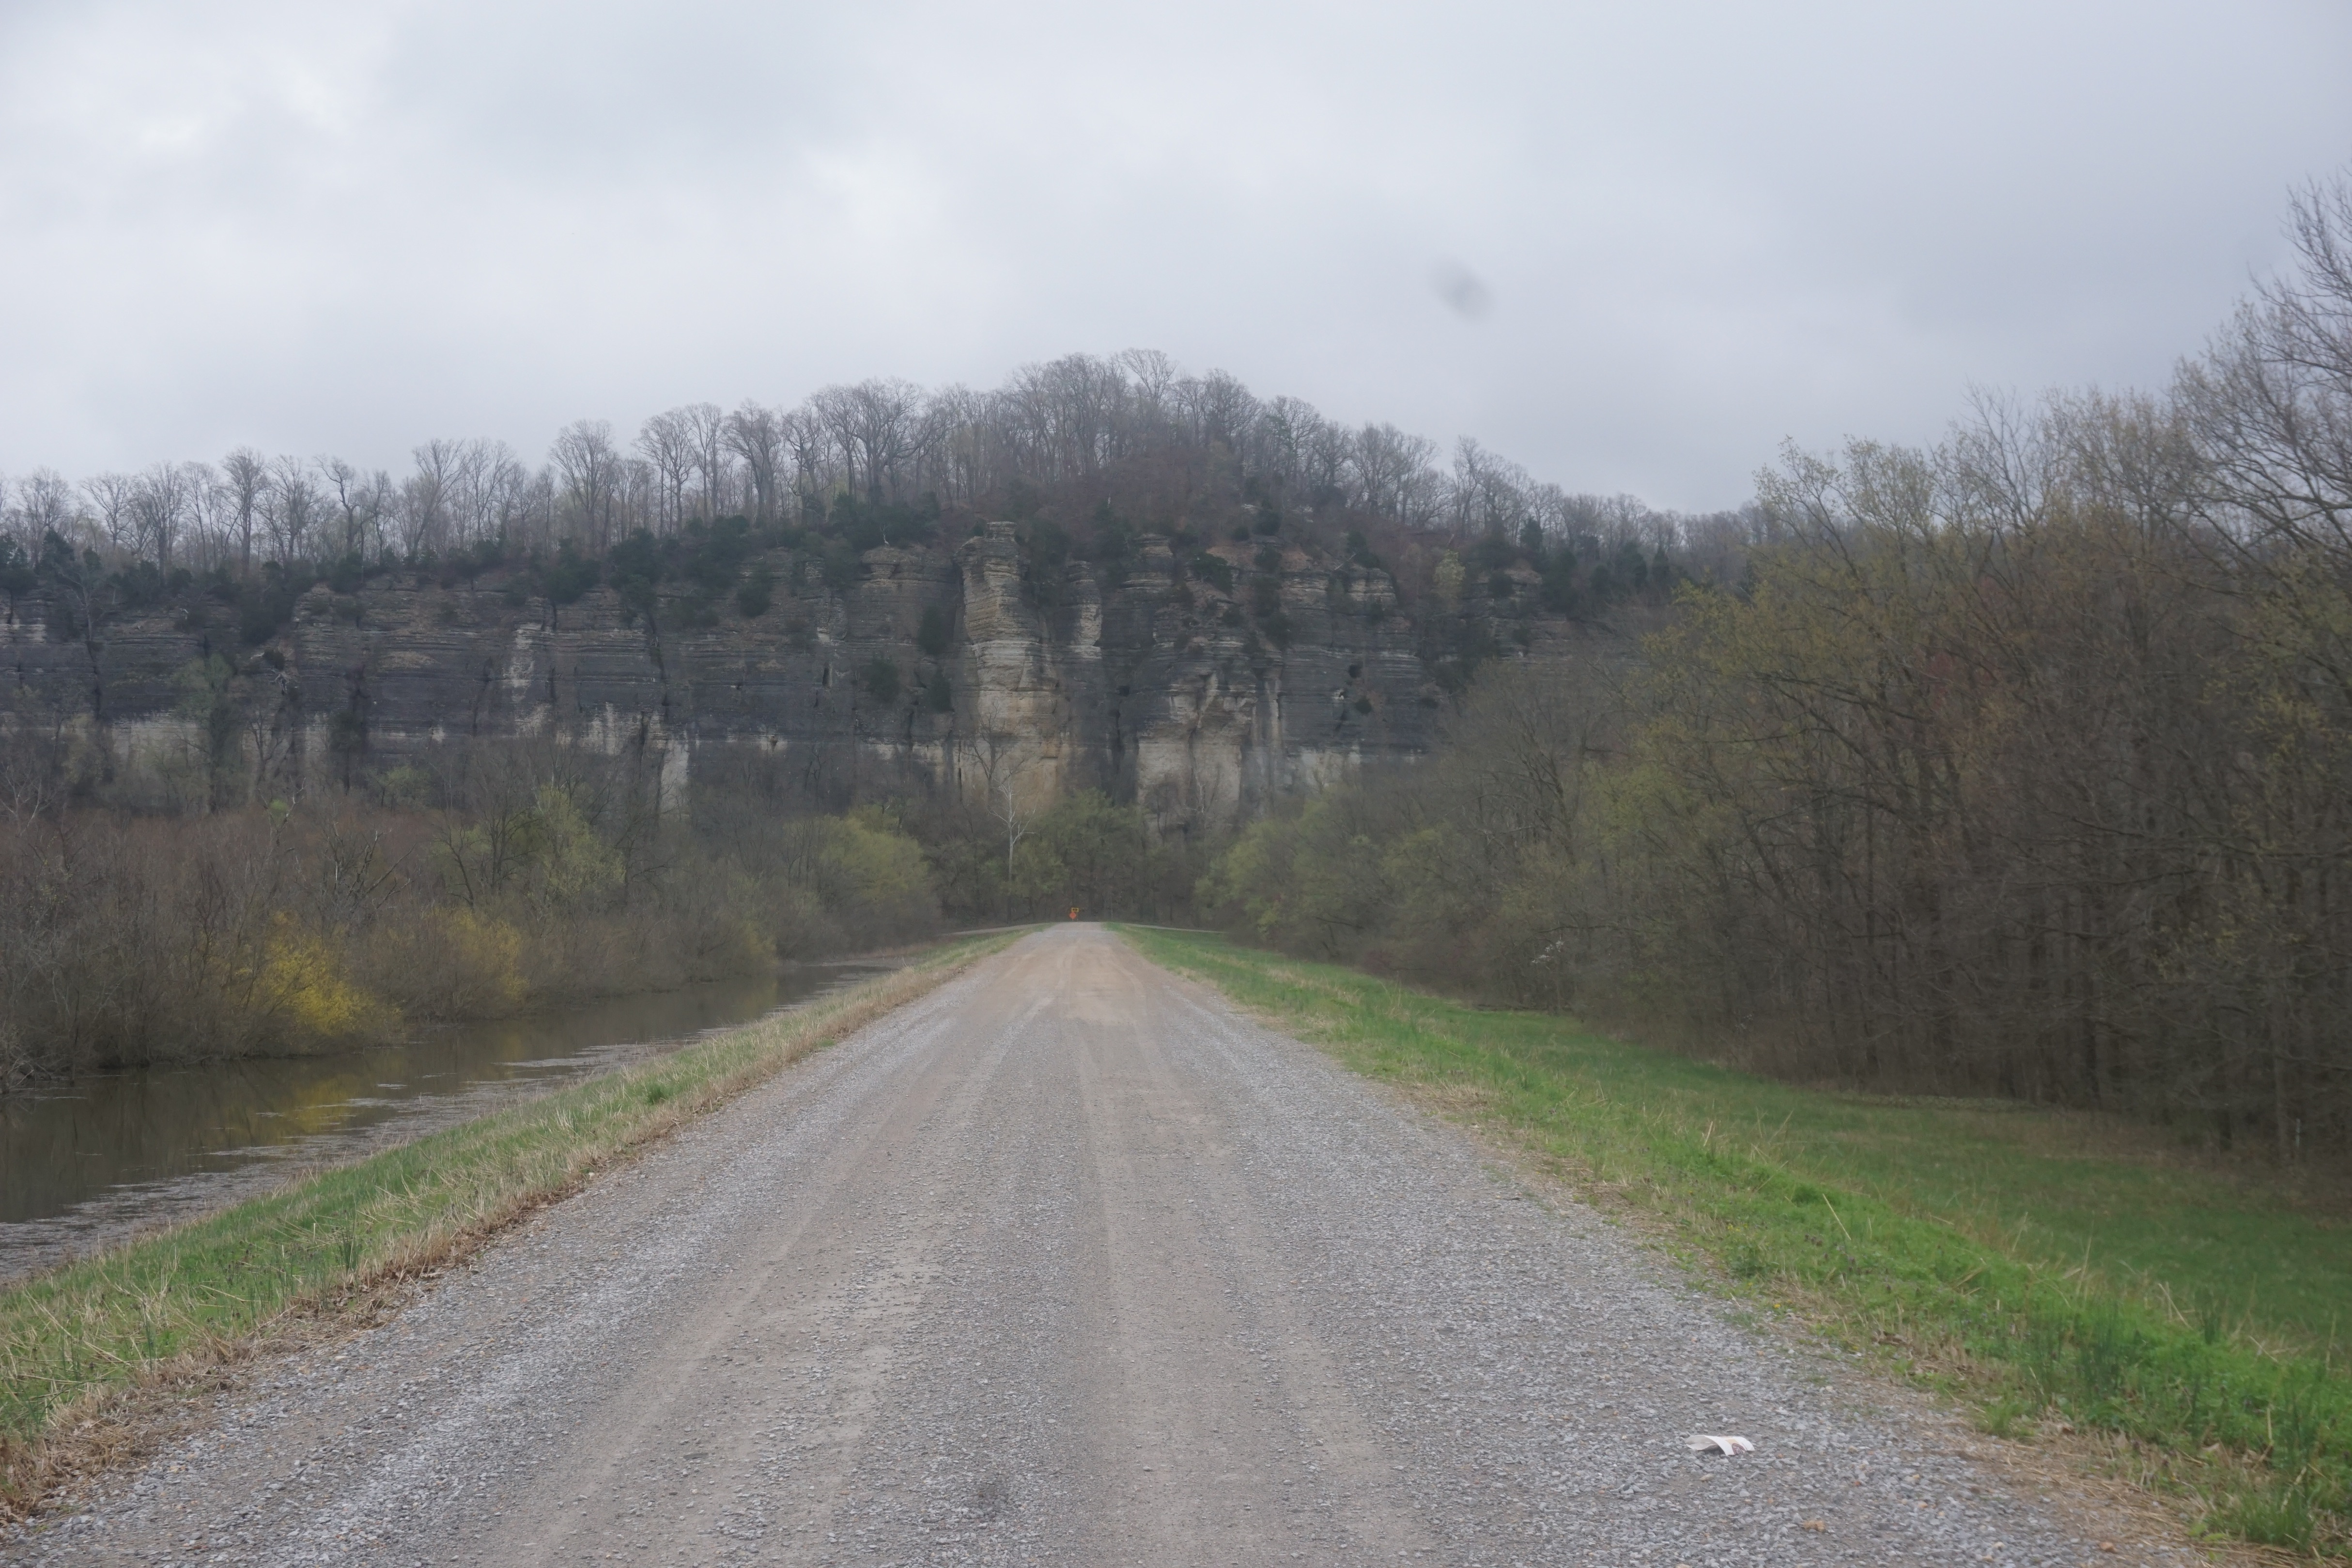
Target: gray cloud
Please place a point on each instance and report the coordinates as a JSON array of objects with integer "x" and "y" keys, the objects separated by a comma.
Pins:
[{"x": 1702, "y": 228}]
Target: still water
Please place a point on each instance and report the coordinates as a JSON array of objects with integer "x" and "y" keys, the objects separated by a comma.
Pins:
[{"x": 86, "y": 1164}]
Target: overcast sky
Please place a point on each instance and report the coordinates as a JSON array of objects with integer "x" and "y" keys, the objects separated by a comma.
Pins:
[{"x": 1700, "y": 228}]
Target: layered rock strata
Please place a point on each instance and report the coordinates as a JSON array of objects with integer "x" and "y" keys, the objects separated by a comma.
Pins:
[{"x": 1152, "y": 683}]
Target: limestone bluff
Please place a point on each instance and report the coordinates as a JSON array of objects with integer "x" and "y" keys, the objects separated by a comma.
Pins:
[{"x": 1201, "y": 700}]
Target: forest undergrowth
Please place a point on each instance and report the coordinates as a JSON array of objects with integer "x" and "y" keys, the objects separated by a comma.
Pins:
[{"x": 483, "y": 879}]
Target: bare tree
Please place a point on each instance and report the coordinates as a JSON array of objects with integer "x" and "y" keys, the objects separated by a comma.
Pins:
[
  {"x": 2270, "y": 404},
  {"x": 1489, "y": 493},
  {"x": 110, "y": 499},
  {"x": 514, "y": 500},
  {"x": 205, "y": 539},
  {"x": 1069, "y": 415},
  {"x": 874, "y": 424},
  {"x": 641, "y": 496},
  {"x": 1002, "y": 763},
  {"x": 666, "y": 442},
  {"x": 1387, "y": 463},
  {"x": 247, "y": 474},
  {"x": 805, "y": 437},
  {"x": 754, "y": 435},
  {"x": 45, "y": 505},
  {"x": 705, "y": 430},
  {"x": 959, "y": 443},
  {"x": 475, "y": 481},
  {"x": 1152, "y": 373},
  {"x": 593, "y": 474},
  {"x": 428, "y": 497},
  {"x": 834, "y": 411},
  {"x": 1219, "y": 409},
  {"x": 161, "y": 503},
  {"x": 359, "y": 501},
  {"x": 294, "y": 510}
]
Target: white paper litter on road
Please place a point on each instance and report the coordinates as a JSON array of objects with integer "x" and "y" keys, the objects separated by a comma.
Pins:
[{"x": 1700, "y": 1443}]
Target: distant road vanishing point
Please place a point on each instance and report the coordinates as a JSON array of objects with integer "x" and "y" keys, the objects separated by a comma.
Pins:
[{"x": 1066, "y": 1263}]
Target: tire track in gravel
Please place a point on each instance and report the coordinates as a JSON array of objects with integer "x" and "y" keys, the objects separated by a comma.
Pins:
[{"x": 1065, "y": 1262}]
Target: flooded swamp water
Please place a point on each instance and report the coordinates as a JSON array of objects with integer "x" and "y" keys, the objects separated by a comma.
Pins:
[{"x": 87, "y": 1164}]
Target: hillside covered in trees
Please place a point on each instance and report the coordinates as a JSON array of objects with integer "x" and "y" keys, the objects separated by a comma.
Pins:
[
  {"x": 2015, "y": 765},
  {"x": 2020, "y": 764},
  {"x": 488, "y": 736},
  {"x": 1097, "y": 451},
  {"x": 1099, "y": 564}
]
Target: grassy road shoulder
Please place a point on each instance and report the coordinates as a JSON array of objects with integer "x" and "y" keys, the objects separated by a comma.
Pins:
[
  {"x": 2045, "y": 1267},
  {"x": 81, "y": 1345}
]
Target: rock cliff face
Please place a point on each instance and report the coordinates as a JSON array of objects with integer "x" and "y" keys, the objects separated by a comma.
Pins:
[{"x": 1201, "y": 700}]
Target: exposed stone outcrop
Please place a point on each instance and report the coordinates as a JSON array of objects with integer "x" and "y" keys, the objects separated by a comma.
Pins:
[{"x": 1151, "y": 684}]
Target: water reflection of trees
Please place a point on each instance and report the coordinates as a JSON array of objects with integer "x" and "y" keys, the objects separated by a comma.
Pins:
[{"x": 62, "y": 1150}]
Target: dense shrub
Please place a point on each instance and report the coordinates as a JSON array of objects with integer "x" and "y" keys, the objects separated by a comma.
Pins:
[{"x": 507, "y": 878}]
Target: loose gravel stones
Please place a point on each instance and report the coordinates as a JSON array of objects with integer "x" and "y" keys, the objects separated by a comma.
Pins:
[{"x": 1065, "y": 1262}]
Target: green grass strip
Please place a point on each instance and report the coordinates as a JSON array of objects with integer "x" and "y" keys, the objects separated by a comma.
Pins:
[
  {"x": 2041, "y": 1265},
  {"x": 163, "y": 1310}
]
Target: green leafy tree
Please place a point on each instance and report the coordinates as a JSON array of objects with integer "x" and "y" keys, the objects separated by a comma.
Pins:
[
  {"x": 1086, "y": 851},
  {"x": 636, "y": 568},
  {"x": 571, "y": 575}
]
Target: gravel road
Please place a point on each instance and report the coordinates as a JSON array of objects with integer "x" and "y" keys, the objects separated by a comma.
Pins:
[{"x": 1065, "y": 1262}]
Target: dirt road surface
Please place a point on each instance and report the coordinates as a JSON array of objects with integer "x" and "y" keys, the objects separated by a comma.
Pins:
[{"x": 1064, "y": 1264}]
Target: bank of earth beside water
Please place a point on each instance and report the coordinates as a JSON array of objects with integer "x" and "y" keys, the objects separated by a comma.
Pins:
[
  {"x": 86, "y": 1350},
  {"x": 96, "y": 1161}
]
